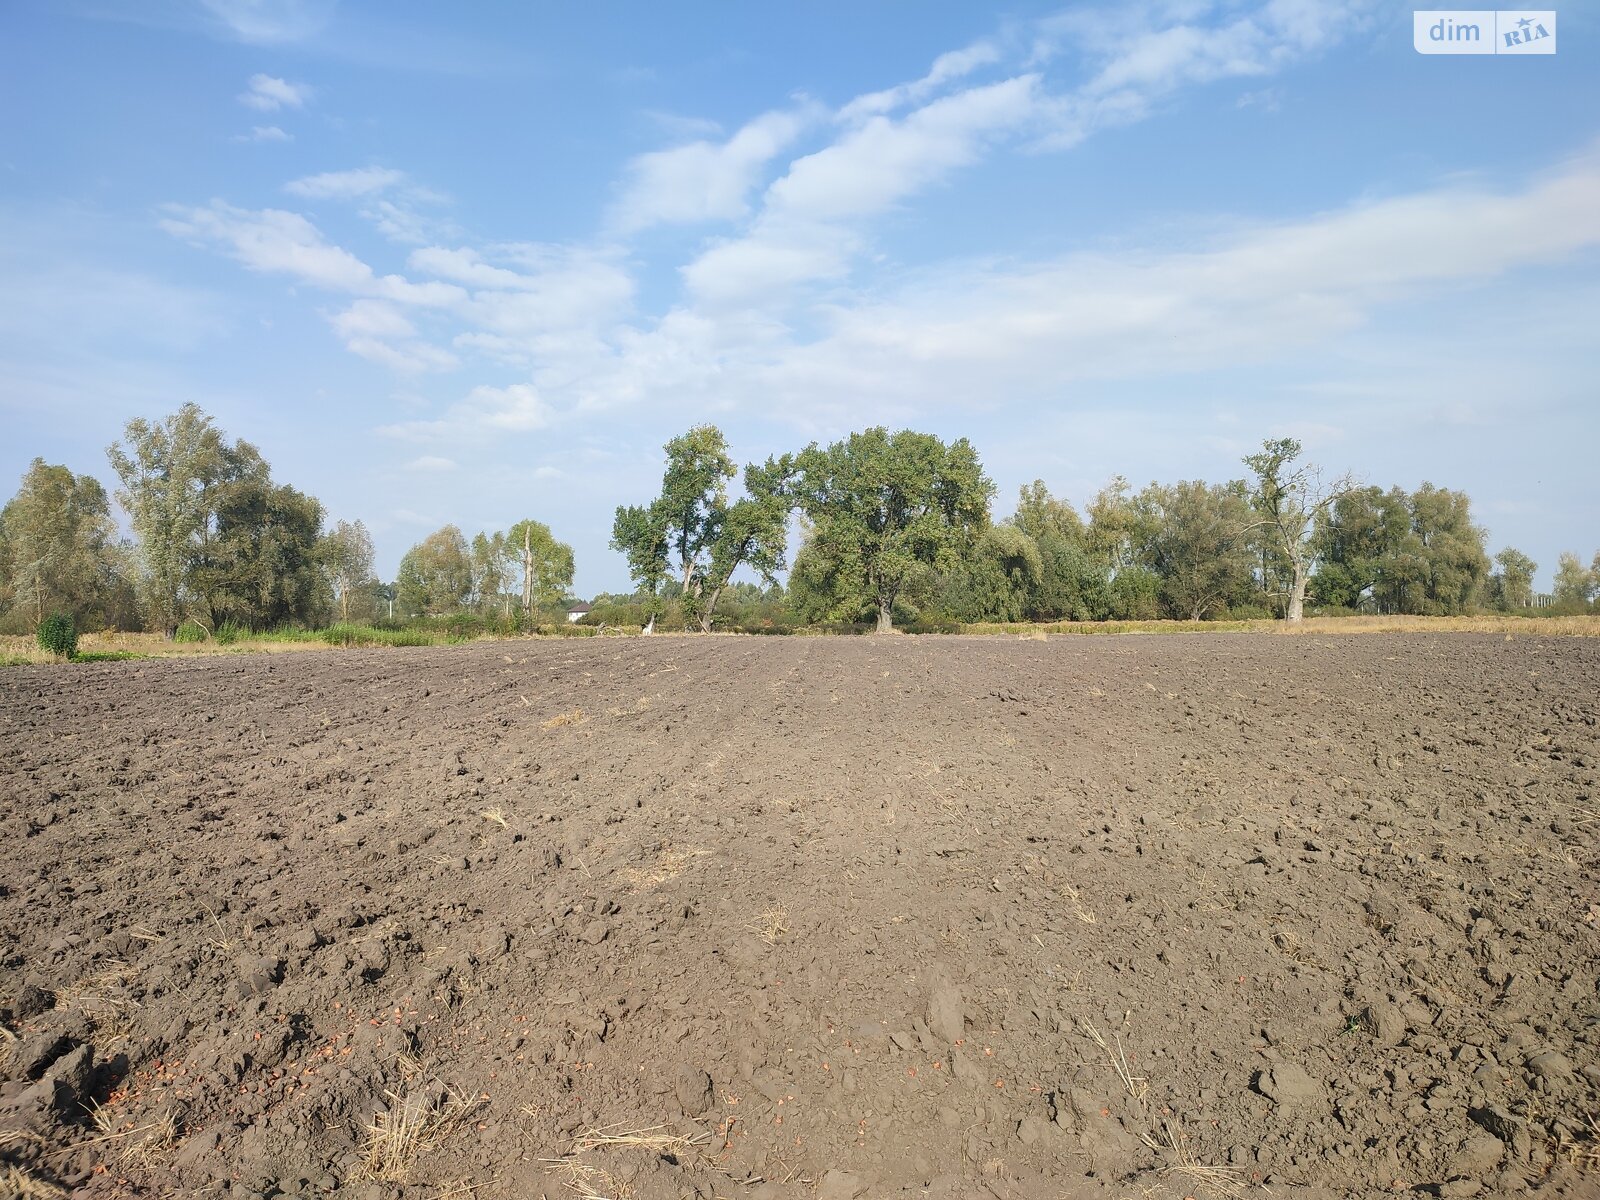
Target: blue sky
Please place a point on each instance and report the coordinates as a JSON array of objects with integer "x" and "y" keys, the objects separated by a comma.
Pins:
[{"x": 474, "y": 263}]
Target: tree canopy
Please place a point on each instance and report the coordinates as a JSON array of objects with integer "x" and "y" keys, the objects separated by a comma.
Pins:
[{"x": 884, "y": 506}]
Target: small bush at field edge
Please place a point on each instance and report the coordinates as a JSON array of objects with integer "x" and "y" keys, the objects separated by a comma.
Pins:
[
  {"x": 58, "y": 635},
  {"x": 190, "y": 631}
]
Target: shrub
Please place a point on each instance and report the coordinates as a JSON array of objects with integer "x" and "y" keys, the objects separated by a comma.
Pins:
[
  {"x": 190, "y": 631},
  {"x": 229, "y": 633},
  {"x": 58, "y": 635}
]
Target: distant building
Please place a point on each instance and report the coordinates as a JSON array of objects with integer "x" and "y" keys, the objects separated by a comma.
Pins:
[{"x": 577, "y": 612}]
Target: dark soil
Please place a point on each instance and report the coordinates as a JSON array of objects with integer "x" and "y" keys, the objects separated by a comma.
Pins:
[{"x": 1094, "y": 917}]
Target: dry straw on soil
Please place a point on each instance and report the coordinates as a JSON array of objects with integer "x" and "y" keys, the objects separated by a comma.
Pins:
[{"x": 415, "y": 1123}]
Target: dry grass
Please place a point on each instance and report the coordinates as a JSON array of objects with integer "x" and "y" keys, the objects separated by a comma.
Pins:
[
  {"x": 669, "y": 864},
  {"x": 414, "y": 1124},
  {"x": 22, "y": 1185},
  {"x": 102, "y": 996},
  {"x": 496, "y": 816},
  {"x": 772, "y": 925},
  {"x": 145, "y": 1146},
  {"x": 594, "y": 1182},
  {"x": 1214, "y": 1181},
  {"x": 1574, "y": 626},
  {"x": 1135, "y": 1085},
  {"x": 642, "y": 707},
  {"x": 655, "y": 1139},
  {"x": 587, "y": 1181},
  {"x": 1078, "y": 908},
  {"x": 1584, "y": 1149},
  {"x": 576, "y": 717}
]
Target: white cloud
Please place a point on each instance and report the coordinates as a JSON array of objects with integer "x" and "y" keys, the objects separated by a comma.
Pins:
[
  {"x": 1263, "y": 295},
  {"x": 268, "y": 94},
  {"x": 265, "y": 133},
  {"x": 1148, "y": 51},
  {"x": 276, "y": 242},
  {"x": 464, "y": 265},
  {"x": 373, "y": 318},
  {"x": 873, "y": 167},
  {"x": 346, "y": 185},
  {"x": 486, "y": 412},
  {"x": 431, "y": 463},
  {"x": 954, "y": 64},
  {"x": 805, "y": 229},
  {"x": 703, "y": 180},
  {"x": 270, "y": 22}
]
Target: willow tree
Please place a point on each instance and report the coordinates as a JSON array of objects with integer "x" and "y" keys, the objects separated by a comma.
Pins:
[{"x": 57, "y": 551}]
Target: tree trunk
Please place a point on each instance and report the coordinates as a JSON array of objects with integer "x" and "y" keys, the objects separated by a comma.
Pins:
[
  {"x": 885, "y": 615},
  {"x": 527, "y": 572},
  {"x": 707, "y": 614},
  {"x": 1296, "y": 610}
]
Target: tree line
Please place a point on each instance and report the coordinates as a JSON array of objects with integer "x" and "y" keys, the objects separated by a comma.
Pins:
[
  {"x": 896, "y": 528},
  {"x": 892, "y": 529},
  {"x": 218, "y": 545}
]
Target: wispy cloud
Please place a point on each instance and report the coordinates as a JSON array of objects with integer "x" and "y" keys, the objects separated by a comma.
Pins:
[
  {"x": 346, "y": 185},
  {"x": 703, "y": 180},
  {"x": 270, "y": 22},
  {"x": 486, "y": 411},
  {"x": 265, "y": 133},
  {"x": 276, "y": 242},
  {"x": 267, "y": 93}
]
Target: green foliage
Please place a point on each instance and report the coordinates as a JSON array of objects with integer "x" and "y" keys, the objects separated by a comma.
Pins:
[
  {"x": 57, "y": 552},
  {"x": 58, "y": 635},
  {"x": 997, "y": 581},
  {"x": 1289, "y": 498},
  {"x": 261, "y": 560},
  {"x": 1512, "y": 586},
  {"x": 1575, "y": 587},
  {"x": 189, "y": 632},
  {"x": 435, "y": 576},
  {"x": 1390, "y": 552},
  {"x": 228, "y": 633},
  {"x": 346, "y": 556},
  {"x": 886, "y": 506},
  {"x": 344, "y": 634},
  {"x": 544, "y": 565},
  {"x": 217, "y": 539},
  {"x": 1134, "y": 594},
  {"x": 1195, "y": 537},
  {"x": 692, "y": 531}
]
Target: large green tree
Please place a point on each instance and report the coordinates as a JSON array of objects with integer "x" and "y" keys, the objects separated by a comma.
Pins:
[
  {"x": 1072, "y": 581},
  {"x": 544, "y": 564},
  {"x": 997, "y": 580},
  {"x": 694, "y": 535},
  {"x": 435, "y": 577},
  {"x": 1513, "y": 583},
  {"x": 1357, "y": 539},
  {"x": 216, "y": 538},
  {"x": 347, "y": 559},
  {"x": 1290, "y": 497},
  {"x": 168, "y": 470},
  {"x": 1575, "y": 586},
  {"x": 57, "y": 547},
  {"x": 884, "y": 506},
  {"x": 1196, "y": 538},
  {"x": 259, "y": 563},
  {"x": 1440, "y": 566}
]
